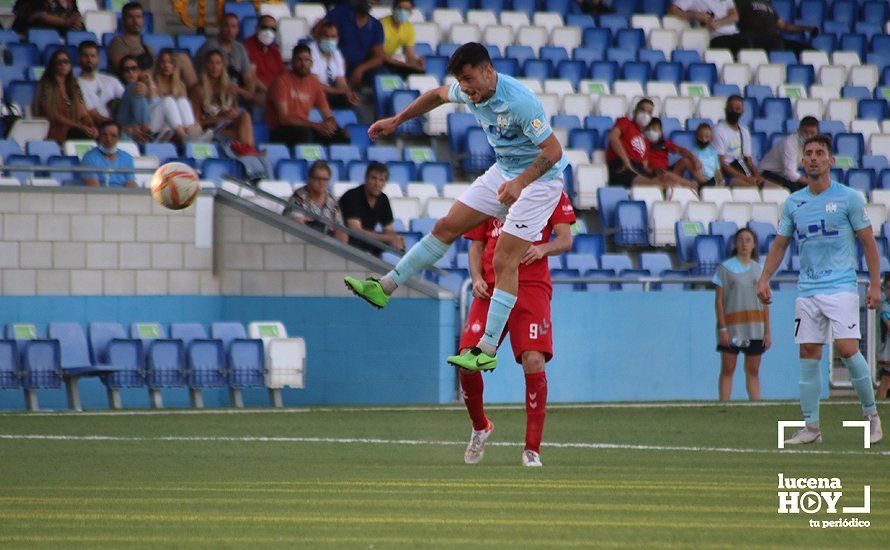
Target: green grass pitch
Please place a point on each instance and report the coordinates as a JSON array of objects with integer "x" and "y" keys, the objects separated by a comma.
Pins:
[{"x": 641, "y": 476}]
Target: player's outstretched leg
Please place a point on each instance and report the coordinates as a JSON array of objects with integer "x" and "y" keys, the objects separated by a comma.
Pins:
[
  {"x": 535, "y": 406},
  {"x": 810, "y": 385}
]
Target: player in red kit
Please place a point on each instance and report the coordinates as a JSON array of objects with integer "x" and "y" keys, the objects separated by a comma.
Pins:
[{"x": 529, "y": 326}]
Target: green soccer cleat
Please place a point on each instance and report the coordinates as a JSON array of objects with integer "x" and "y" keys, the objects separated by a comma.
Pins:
[
  {"x": 369, "y": 290},
  {"x": 474, "y": 359}
]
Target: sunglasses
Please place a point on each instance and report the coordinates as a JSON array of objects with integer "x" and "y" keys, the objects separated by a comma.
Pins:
[
  {"x": 63, "y": 61},
  {"x": 129, "y": 68}
]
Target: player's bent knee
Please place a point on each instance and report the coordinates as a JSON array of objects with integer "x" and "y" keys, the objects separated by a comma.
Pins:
[
  {"x": 847, "y": 347},
  {"x": 811, "y": 351},
  {"x": 533, "y": 362},
  {"x": 444, "y": 231}
]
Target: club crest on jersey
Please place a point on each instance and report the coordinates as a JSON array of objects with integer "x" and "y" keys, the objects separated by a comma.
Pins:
[
  {"x": 831, "y": 207},
  {"x": 538, "y": 127},
  {"x": 503, "y": 121}
]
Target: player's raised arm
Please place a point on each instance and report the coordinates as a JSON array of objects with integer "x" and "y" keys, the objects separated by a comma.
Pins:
[
  {"x": 770, "y": 265},
  {"x": 427, "y": 101}
]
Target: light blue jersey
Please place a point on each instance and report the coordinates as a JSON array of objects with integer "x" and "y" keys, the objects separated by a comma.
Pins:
[
  {"x": 515, "y": 124},
  {"x": 825, "y": 227}
]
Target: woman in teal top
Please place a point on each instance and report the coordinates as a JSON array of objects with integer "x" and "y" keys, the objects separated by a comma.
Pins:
[{"x": 742, "y": 321}]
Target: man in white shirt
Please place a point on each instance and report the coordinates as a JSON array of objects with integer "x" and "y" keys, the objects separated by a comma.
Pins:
[
  {"x": 718, "y": 16},
  {"x": 781, "y": 165},
  {"x": 99, "y": 89},
  {"x": 329, "y": 67},
  {"x": 733, "y": 144}
]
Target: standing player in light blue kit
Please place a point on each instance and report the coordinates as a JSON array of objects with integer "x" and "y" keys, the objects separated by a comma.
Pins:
[
  {"x": 523, "y": 186},
  {"x": 826, "y": 215}
]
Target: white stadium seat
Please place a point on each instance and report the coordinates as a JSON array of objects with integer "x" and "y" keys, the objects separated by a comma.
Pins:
[
  {"x": 736, "y": 73},
  {"x": 594, "y": 87},
  {"x": 683, "y": 195},
  {"x": 825, "y": 93},
  {"x": 716, "y": 195},
  {"x": 767, "y": 212},
  {"x": 30, "y": 129},
  {"x": 865, "y": 127},
  {"x": 406, "y": 208},
  {"x": 461, "y": 33},
  {"x": 78, "y": 147},
  {"x": 680, "y": 108},
  {"x": 661, "y": 90},
  {"x": 436, "y": 122},
  {"x": 445, "y": 18},
  {"x": 576, "y": 157},
  {"x": 846, "y": 59},
  {"x": 842, "y": 109},
  {"x": 454, "y": 190},
  {"x": 863, "y": 75},
  {"x": 808, "y": 107},
  {"x": 422, "y": 82},
  {"x": 695, "y": 90},
  {"x": 422, "y": 192},
  {"x": 879, "y": 144},
  {"x": 877, "y": 214},
  {"x": 285, "y": 357},
  {"x": 646, "y": 193},
  {"x": 550, "y": 102},
  {"x": 833, "y": 76},
  {"x": 772, "y": 75},
  {"x": 880, "y": 196},
  {"x": 566, "y": 37},
  {"x": 341, "y": 187},
  {"x": 279, "y": 188},
  {"x": 745, "y": 194},
  {"x": 276, "y": 10},
  {"x": 515, "y": 19},
  {"x": 149, "y": 162},
  {"x": 712, "y": 108},
  {"x": 532, "y": 36},
  {"x": 579, "y": 105},
  {"x": 704, "y": 212},
  {"x": 482, "y": 18},
  {"x": 428, "y": 33},
  {"x": 44, "y": 182},
  {"x": 816, "y": 58},
  {"x": 753, "y": 58},
  {"x": 663, "y": 40},
  {"x": 663, "y": 216},
  {"x": 648, "y": 23},
  {"x": 614, "y": 106},
  {"x": 738, "y": 212},
  {"x": 672, "y": 22},
  {"x": 100, "y": 22},
  {"x": 775, "y": 195},
  {"x": 695, "y": 39},
  {"x": 793, "y": 91},
  {"x": 628, "y": 88},
  {"x": 498, "y": 35},
  {"x": 719, "y": 57},
  {"x": 532, "y": 84},
  {"x": 558, "y": 86},
  {"x": 548, "y": 19},
  {"x": 393, "y": 189},
  {"x": 290, "y": 30},
  {"x": 590, "y": 177},
  {"x": 438, "y": 207},
  {"x": 311, "y": 12}
]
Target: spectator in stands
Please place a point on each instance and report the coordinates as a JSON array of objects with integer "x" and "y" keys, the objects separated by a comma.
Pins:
[
  {"x": 59, "y": 99},
  {"x": 595, "y": 7},
  {"x": 317, "y": 199},
  {"x": 59, "y": 15},
  {"x": 719, "y": 16},
  {"x": 329, "y": 67},
  {"x": 628, "y": 148},
  {"x": 704, "y": 151},
  {"x": 781, "y": 165},
  {"x": 241, "y": 72},
  {"x": 367, "y": 206},
  {"x": 761, "y": 27},
  {"x": 101, "y": 92},
  {"x": 107, "y": 155},
  {"x": 742, "y": 321},
  {"x": 214, "y": 102},
  {"x": 361, "y": 40},
  {"x": 398, "y": 32},
  {"x": 172, "y": 92},
  {"x": 143, "y": 113},
  {"x": 733, "y": 144},
  {"x": 130, "y": 43},
  {"x": 263, "y": 52},
  {"x": 291, "y": 98},
  {"x": 657, "y": 158}
]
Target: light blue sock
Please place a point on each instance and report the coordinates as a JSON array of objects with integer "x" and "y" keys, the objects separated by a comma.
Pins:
[
  {"x": 810, "y": 385},
  {"x": 498, "y": 311},
  {"x": 423, "y": 254},
  {"x": 860, "y": 376}
]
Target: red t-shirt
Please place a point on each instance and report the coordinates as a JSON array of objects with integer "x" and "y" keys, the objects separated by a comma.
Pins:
[
  {"x": 632, "y": 140},
  {"x": 268, "y": 63},
  {"x": 658, "y": 154},
  {"x": 299, "y": 94},
  {"x": 537, "y": 272}
]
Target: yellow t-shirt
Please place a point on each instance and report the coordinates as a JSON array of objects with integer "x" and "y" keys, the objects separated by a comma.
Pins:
[{"x": 395, "y": 38}]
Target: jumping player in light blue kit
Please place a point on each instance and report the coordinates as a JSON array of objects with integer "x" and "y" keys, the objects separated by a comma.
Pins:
[
  {"x": 523, "y": 186},
  {"x": 826, "y": 216}
]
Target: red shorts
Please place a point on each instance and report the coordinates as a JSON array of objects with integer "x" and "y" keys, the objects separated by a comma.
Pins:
[{"x": 529, "y": 323}]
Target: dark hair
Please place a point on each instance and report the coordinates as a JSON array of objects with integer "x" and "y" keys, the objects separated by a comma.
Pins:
[
  {"x": 124, "y": 59},
  {"x": 395, "y": 3},
  {"x": 702, "y": 126},
  {"x": 735, "y": 237},
  {"x": 108, "y": 123},
  {"x": 87, "y": 44},
  {"x": 319, "y": 165},
  {"x": 656, "y": 121},
  {"x": 642, "y": 102},
  {"x": 298, "y": 49},
  {"x": 809, "y": 121},
  {"x": 376, "y": 167},
  {"x": 473, "y": 54},
  {"x": 822, "y": 139},
  {"x": 734, "y": 97},
  {"x": 229, "y": 15},
  {"x": 267, "y": 16},
  {"x": 131, "y": 6}
]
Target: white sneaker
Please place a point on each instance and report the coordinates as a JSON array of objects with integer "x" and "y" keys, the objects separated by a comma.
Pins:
[
  {"x": 875, "y": 433},
  {"x": 476, "y": 446},
  {"x": 531, "y": 459},
  {"x": 805, "y": 436}
]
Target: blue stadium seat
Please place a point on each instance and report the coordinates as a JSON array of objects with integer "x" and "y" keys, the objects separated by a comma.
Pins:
[
  {"x": 636, "y": 70},
  {"x": 479, "y": 153},
  {"x": 43, "y": 149},
  {"x": 824, "y": 42},
  {"x": 557, "y": 274},
  {"x": 9, "y": 147},
  {"x": 763, "y": 231},
  {"x": 602, "y": 124},
  {"x": 759, "y": 92},
  {"x": 10, "y": 73},
  {"x": 345, "y": 117},
  {"x": 811, "y": 12},
  {"x": 844, "y": 11},
  {"x": 190, "y": 42},
  {"x": 587, "y": 55},
  {"x": 633, "y": 225},
  {"x": 41, "y": 38},
  {"x": 884, "y": 179},
  {"x": 630, "y": 39},
  {"x": 652, "y": 57},
  {"x": 506, "y": 65},
  {"x": 358, "y": 135},
  {"x": 685, "y": 234},
  {"x": 567, "y": 122},
  {"x": 849, "y": 145},
  {"x": 597, "y": 39},
  {"x": 620, "y": 56},
  {"x": 614, "y": 22},
  {"x": 10, "y": 372},
  {"x": 241, "y": 9},
  {"x": 604, "y": 70},
  {"x": 782, "y": 57},
  {"x": 520, "y": 53},
  {"x": 616, "y": 261},
  {"x": 355, "y": 170},
  {"x": 581, "y": 20},
  {"x": 758, "y": 145},
  {"x": 458, "y": 124},
  {"x": 204, "y": 356},
  {"x": 725, "y": 90},
  {"x": 553, "y": 54},
  {"x": 214, "y": 169},
  {"x": 685, "y": 58},
  {"x": 702, "y": 72},
  {"x": 693, "y": 123},
  {"x": 41, "y": 363},
  {"x": 656, "y": 7},
  {"x": 855, "y": 92},
  {"x": 422, "y": 49},
  {"x": 437, "y": 173},
  {"x": 22, "y": 54},
  {"x": 8, "y": 36},
  {"x": 861, "y": 178},
  {"x": 655, "y": 262},
  {"x": 600, "y": 274},
  {"x": 853, "y": 42},
  {"x": 382, "y": 153},
  {"x": 707, "y": 254},
  {"x": 446, "y": 50},
  {"x": 556, "y": 262},
  {"x": 20, "y": 92},
  {"x": 384, "y": 86},
  {"x": 784, "y": 9},
  {"x": 583, "y": 139},
  {"x": 836, "y": 28},
  {"x": 539, "y": 69},
  {"x": 608, "y": 199},
  {"x": 876, "y": 12},
  {"x": 804, "y": 75},
  {"x": 582, "y": 262},
  {"x": 453, "y": 279},
  {"x": 22, "y": 160},
  {"x": 422, "y": 225},
  {"x": 875, "y": 162},
  {"x": 874, "y": 109},
  {"x": 401, "y": 171},
  {"x": 570, "y": 70},
  {"x": 677, "y": 286},
  {"x": 400, "y": 100},
  {"x": 669, "y": 72},
  {"x": 589, "y": 243},
  {"x": 159, "y": 41},
  {"x": 109, "y": 345},
  {"x": 868, "y": 29},
  {"x": 163, "y": 151},
  {"x": 633, "y": 274},
  {"x": 436, "y": 65},
  {"x": 830, "y": 127},
  {"x": 278, "y": 151},
  {"x": 769, "y": 124},
  {"x": 724, "y": 229},
  {"x": 685, "y": 139},
  {"x": 245, "y": 357}
]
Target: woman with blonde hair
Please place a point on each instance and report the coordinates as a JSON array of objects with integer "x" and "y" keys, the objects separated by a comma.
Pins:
[
  {"x": 172, "y": 90},
  {"x": 215, "y": 104},
  {"x": 59, "y": 99}
]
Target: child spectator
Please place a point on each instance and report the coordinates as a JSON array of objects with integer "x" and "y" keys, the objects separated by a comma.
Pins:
[{"x": 657, "y": 157}]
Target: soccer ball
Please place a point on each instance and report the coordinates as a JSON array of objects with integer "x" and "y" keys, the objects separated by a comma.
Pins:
[{"x": 175, "y": 185}]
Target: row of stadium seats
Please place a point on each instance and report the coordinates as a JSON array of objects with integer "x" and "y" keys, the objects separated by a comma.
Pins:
[{"x": 144, "y": 356}]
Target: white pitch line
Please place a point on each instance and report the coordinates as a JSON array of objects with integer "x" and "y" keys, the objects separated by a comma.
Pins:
[
  {"x": 432, "y": 408},
  {"x": 375, "y": 441}
]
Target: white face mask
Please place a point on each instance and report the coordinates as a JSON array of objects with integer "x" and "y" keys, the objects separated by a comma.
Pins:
[
  {"x": 653, "y": 135},
  {"x": 643, "y": 118},
  {"x": 266, "y": 37},
  {"x": 402, "y": 15}
]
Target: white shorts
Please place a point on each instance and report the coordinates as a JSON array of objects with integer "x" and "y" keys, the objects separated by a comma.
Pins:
[
  {"x": 814, "y": 315},
  {"x": 528, "y": 216}
]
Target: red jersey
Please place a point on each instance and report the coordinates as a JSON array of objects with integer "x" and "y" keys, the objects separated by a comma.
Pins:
[
  {"x": 536, "y": 272},
  {"x": 658, "y": 154},
  {"x": 632, "y": 140}
]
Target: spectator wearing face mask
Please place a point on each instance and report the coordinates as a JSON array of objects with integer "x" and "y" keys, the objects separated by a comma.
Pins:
[
  {"x": 628, "y": 148},
  {"x": 361, "y": 40},
  {"x": 107, "y": 155},
  {"x": 329, "y": 67},
  {"x": 657, "y": 157},
  {"x": 263, "y": 52},
  {"x": 707, "y": 156},
  {"x": 399, "y": 34},
  {"x": 733, "y": 143}
]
